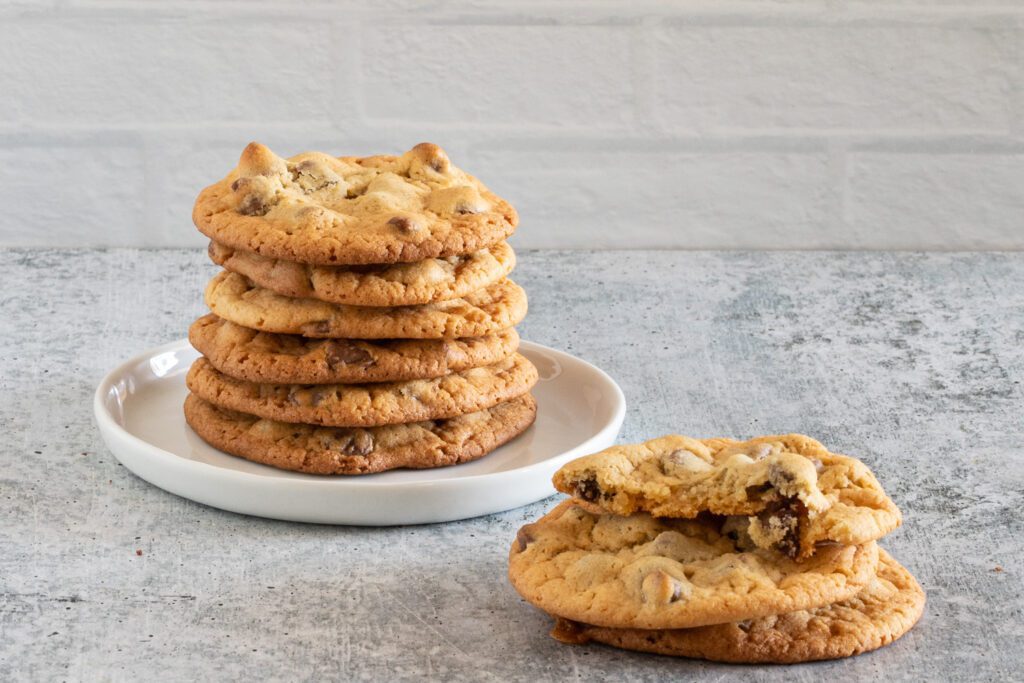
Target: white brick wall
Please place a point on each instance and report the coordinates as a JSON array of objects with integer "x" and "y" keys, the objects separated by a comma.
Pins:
[{"x": 698, "y": 124}]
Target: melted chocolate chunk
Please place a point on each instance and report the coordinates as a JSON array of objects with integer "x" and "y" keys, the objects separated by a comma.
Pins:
[
  {"x": 356, "y": 443},
  {"x": 788, "y": 514},
  {"x": 253, "y": 205},
  {"x": 403, "y": 224},
  {"x": 588, "y": 490},
  {"x": 755, "y": 492},
  {"x": 344, "y": 352},
  {"x": 524, "y": 538}
]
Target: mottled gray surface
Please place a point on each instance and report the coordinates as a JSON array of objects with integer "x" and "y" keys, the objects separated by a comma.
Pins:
[{"x": 912, "y": 362}]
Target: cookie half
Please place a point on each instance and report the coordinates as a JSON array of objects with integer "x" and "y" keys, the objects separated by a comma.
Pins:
[
  {"x": 884, "y": 610},
  {"x": 487, "y": 311},
  {"x": 396, "y": 284},
  {"x": 367, "y": 405},
  {"x": 326, "y": 450},
  {"x": 793, "y": 493},
  {"x": 642, "y": 572},
  {"x": 315, "y": 208},
  {"x": 292, "y": 359}
]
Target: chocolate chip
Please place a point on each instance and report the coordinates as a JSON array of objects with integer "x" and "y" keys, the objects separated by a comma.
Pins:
[
  {"x": 787, "y": 514},
  {"x": 463, "y": 209},
  {"x": 755, "y": 492},
  {"x": 686, "y": 460},
  {"x": 240, "y": 182},
  {"x": 777, "y": 473},
  {"x": 313, "y": 176},
  {"x": 524, "y": 538},
  {"x": 318, "y": 327},
  {"x": 661, "y": 588},
  {"x": 588, "y": 490},
  {"x": 356, "y": 443},
  {"x": 344, "y": 352},
  {"x": 253, "y": 205},
  {"x": 743, "y": 626},
  {"x": 298, "y": 396},
  {"x": 403, "y": 224}
]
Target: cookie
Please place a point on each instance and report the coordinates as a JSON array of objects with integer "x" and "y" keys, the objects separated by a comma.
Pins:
[
  {"x": 794, "y": 494},
  {"x": 642, "y": 572},
  {"x": 290, "y": 359},
  {"x": 367, "y": 405},
  {"x": 884, "y": 610},
  {"x": 487, "y": 311},
  {"x": 327, "y": 450},
  {"x": 315, "y": 208},
  {"x": 394, "y": 284}
]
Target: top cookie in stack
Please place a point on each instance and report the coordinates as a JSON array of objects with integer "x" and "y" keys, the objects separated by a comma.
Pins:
[{"x": 363, "y": 320}]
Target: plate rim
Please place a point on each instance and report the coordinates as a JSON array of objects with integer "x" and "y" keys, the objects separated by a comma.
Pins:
[{"x": 107, "y": 422}]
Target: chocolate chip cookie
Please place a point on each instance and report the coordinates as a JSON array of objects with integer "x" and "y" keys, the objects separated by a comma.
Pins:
[
  {"x": 367, "y": 405},
  {"x": 785, "y": 492},
  {"x": 291, "y": 359},
  {"x": 316, "y": 208},
  {"x": 395, "y": 284},
  {"x": 484, "y": 312},
  {"x": 641, "y": 572},
  {"x": 884, "y": 610},
  {"x": 327, "y": 450}
]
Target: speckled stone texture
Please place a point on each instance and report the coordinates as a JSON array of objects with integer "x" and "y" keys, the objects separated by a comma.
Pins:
[{"x": 912, "y": 362}]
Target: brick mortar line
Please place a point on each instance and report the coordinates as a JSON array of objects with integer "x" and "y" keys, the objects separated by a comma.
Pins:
[
  {"x": 543, "y": 15},
  {"x": 552, "y": 139}
]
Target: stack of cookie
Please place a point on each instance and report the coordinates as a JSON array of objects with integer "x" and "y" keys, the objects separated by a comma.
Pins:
[
  {"x": 756, "y": 551},
  {"x": 363, "y": 320}
]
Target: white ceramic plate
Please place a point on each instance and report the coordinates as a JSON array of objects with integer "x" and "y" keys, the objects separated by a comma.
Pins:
[{"x": 139, "y": 412}]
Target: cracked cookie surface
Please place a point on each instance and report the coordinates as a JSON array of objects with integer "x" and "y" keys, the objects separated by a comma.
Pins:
[
  {"x": 396, "y": 284},
  {"x": 329, "y": 450},
  {"x": 291, "y": 359},
  {"x": 486, "y": 311},
  {"x": 884, "y": 610},
  {"x": 367, "y": 405},
  {"x": 794, "y": 493},
  {"x": 316, "y": 208},
  {"x": 642, "y": 572}
]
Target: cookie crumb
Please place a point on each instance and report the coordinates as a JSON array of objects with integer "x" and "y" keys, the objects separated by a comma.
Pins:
[
  {"x": 139, "y": 553},
  {"x": 997, "y": 569}
]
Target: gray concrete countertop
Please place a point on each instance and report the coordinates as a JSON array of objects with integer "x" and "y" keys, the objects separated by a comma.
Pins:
[{"x": 912, "y": 362}]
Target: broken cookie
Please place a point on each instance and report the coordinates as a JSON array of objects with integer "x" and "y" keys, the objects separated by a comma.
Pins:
[{"x": 789, "y": 492}]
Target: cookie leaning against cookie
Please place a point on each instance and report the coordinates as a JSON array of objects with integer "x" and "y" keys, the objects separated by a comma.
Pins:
[
  {"x": 327, "y": 450},
  {"x": 315, "y": 208},
  {"x": 367, "y": 405},
  {"x": 487, "y": 311},
  {"x": 884, "y": 610},
  {"x": 794, "y": 493},
  {"x": 397, "y": 284},
  {"x": 642, "y": 572},
  {"x": 291, "y": 359}
]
